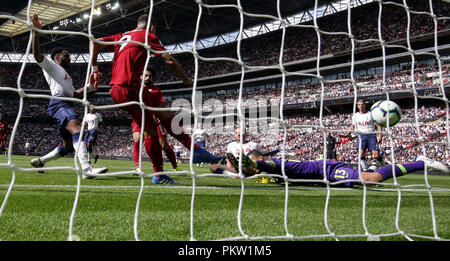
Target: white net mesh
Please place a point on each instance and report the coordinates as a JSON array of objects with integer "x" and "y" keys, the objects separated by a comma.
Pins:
[{"x": 354, "y": 38}]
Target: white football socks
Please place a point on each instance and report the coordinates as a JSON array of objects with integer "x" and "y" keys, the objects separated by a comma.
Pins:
[
  {"x": 83, "y": 155},
  {"x": 52, "y": 155}
]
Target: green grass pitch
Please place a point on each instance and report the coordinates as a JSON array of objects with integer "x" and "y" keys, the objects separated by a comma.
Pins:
[{"x": 40, "y": 206}]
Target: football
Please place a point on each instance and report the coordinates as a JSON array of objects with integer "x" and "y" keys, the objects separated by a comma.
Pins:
[{"x": 383, "y": 112}]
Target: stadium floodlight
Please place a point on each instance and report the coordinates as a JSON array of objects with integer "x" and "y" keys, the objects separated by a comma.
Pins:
[
  {"x": 64, "y": 22},
  {"x": 112, "y": 6},
  {"x": 98, "y": 11}
]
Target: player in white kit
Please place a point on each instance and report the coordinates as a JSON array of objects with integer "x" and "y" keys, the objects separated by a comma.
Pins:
[
  {"x": 69, "y": 124},
  {"x": 200, "y": 139},
  {"x": 92, "y": 120},
  {"x": 234, "y": 148},
  {"x": 27, "y": 148},
  {"x": 367, "y": 138}
]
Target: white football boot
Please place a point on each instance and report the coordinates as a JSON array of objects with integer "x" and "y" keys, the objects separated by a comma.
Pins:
[
  {"x": 37, "y": 163},
  {"x": 93, "y": 171},
  {"x": 434, "y": 164}
]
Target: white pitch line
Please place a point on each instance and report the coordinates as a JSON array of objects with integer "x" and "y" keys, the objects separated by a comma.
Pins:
[
  {"x": 160, "y": 186},
  {"x": 109, "y": 187},
  {"x": 208, "y": 187}
]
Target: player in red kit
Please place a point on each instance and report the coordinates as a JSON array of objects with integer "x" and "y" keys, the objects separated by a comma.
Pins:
[
  {"x": 4, "y": 131},
  {"x": 128, "y": 64},
  {"x": 162, "y": 136},
  {"x": 153, "y": 150}
]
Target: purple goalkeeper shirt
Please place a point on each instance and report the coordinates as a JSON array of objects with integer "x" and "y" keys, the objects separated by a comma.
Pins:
[{"x": 335, "y": 171}]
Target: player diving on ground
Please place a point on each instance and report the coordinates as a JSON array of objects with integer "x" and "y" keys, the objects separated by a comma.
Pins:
[{"x": 334, "y": 171}]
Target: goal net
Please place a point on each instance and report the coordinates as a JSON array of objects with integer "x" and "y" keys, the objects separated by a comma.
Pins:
[{"x": 325, "y": 58}]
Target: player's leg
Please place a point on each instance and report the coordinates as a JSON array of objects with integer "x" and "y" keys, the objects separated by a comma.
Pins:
[
  {"x": 63, "y": 116},
  {"x": 222, "y": 169},
  {"x": 154, "y": 149},
  {"x": 361, "y": 145},
  {"x": 74, "y": 127},
  {"x": 170, "y": 154},
  {"x": 388, "y": 171},
  {"x": 151, "y": 142},
  {"x": 79, "y": 146},
  {"x": 121, "y": 94},
  {"x": 92, "y": 144},
  {"x": 136, "y": 130},
  {"x": 136, "y": 142},
  {"x": 58, "y": 152},
  {"x": 90, "y": 139},
  {"x": 155, "y": 99},
  {"x": 87, "y": 138},
  {"x": 177, "y": 131},
  {"x": 351, "y": 176},
  {"x": 373, "y": 147},
  {"x": 3, "y": 144},
  {"x": 200, "y": 154}
]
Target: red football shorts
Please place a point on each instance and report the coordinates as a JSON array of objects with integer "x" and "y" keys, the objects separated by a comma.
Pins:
[{"x": 153, "y": 98}]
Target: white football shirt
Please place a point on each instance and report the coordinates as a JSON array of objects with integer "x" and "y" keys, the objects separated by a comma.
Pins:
[
  {"x": 363, "y": 122},
  {"x": 93, "y": 120},
  {"x": 234, "y": 147},
  {"x": 57, "y": 78},
  {"x": 199, "y": 135}
]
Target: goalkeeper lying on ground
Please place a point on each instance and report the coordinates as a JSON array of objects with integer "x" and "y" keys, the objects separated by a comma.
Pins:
[{"x": 335, "y": 171}]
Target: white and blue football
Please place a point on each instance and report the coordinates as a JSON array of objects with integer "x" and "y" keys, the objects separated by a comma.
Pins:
[{"x": 383, "y": 112}]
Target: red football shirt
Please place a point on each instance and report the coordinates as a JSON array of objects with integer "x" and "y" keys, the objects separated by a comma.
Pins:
[
  {"x": 129, "y": 58},
  {"x": 113, "y": 48},
  {"x": 3, "y": 128}
]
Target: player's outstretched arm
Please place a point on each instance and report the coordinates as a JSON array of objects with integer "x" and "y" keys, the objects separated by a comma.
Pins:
[
  {"x": 93, "y": 50},
  {"x": 347, "y": 134},
  {"x": 35, "y": 36},
  {"x": 92, "y": 87},
  {"x": 176, "y": 68},
  {"x": 379, "y": 135}
]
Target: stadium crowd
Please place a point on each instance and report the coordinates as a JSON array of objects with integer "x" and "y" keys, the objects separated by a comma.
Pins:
[
  {"x": 300, "y": 43},
  {"x": 405, "y": 138},
  {"x": 294, "y": 92}
]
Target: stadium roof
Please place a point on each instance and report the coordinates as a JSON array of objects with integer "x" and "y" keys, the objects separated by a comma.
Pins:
[
  {"x": 49, "y": 11},
  {"x": 176, "y": 19}
]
